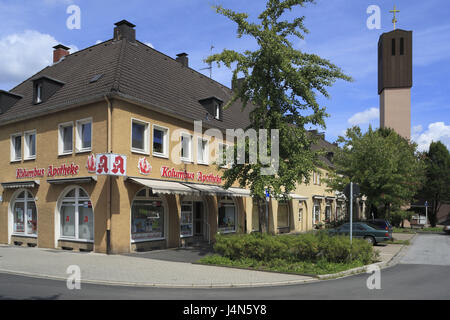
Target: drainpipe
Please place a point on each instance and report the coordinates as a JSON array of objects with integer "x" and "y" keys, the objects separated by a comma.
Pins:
[{"x": 108, "y": 181}]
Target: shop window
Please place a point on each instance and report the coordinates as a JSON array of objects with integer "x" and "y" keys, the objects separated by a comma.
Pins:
[
  {"x": 160, "y": 141},
  {"x": 187, "y": 214},
  {"x": 77, "y": 216},
  {"x": 227, "y": 215},
  {"x": 147, "y": 217},
  {"x": 65, "y": 143},
  {"x": 84, "y": 135},
  {"x": 186, "y": 147},
  {"x": 139, "y": 136},
  {"x": 202, "y": 151},
  {"x": 316, "y": 212},
  {"x": 30, "y": 145},
  {"x": 255, "y": 216},
  {"x": 283, "y": 214},
  {"x": 25, "y": 215},
  {"x": 16, "y": 147}
]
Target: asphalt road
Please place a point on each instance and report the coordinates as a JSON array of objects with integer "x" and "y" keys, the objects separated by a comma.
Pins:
[{"x": 424, "y": 273}]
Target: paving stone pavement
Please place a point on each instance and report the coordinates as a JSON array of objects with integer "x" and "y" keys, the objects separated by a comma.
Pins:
[{"x": 118, "y": 269}]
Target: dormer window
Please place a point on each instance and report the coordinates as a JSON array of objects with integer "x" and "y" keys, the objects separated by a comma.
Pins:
[
  {"x": 45, "y": 88},
  {"x": 217, "y": 111},
  {"x": 213, "y": 106}
]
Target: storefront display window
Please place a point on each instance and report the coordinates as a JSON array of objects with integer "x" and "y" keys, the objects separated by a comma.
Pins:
[
  {"x": 77, "y": 216},
  {"x": 255, "y": 216},
  {"x": 25, "y": 214},
  {"x": 328, "y": 212},
  {"x": 227, "y": 215},
  {"x": 186, "y": 225},
  {"x": 316, "y": 212},
  {"x": 147, "y": 217}
]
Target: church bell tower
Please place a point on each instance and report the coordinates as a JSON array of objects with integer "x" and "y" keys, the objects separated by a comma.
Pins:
[{"x": 395, "y": 80}]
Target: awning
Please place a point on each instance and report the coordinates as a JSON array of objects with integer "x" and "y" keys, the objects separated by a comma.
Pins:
[
  {"x": 208, "y": 189},
  {"x": 319, "y": 197},
  {"x": 297, "y": 196},
  {"x": 73, "y": 180},
  {"x": 164, "y": 187},
  {"x": 239, "y": 192},
  {"x": 20, "y": 184}
]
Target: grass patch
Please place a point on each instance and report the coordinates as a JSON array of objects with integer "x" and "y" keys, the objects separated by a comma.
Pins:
[
  {"x": 418, "y": 230},
  {"x": 311, "y": 253},
  {"x": 402, "y": 242},
  {"x": 403, "y": 230}
]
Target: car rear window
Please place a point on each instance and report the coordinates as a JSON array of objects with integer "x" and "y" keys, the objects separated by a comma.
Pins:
[{"x": 377, "y": 225}]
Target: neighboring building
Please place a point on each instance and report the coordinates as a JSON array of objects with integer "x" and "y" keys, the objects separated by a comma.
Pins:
[
  {"x": 122, "y": 97},
  {"x": 395, "y": 81}
]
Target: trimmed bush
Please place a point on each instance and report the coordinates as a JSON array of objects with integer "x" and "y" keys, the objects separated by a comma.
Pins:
[{"x": 310, "y": 247}]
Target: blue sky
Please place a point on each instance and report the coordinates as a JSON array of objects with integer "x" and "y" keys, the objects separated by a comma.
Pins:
[{"x": 338, "y": 31}]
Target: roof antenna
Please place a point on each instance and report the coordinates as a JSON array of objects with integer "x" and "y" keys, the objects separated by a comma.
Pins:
[{"x": 210, "y": 65}]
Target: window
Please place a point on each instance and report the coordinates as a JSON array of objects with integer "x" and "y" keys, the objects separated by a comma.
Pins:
[
  {"x": 84, "y": 135},
  {"x": 255, "y": 216},
  {"x": 393, "y": 47},
  {"x": 65, "y": 138},
  {"x": 160, "y": 141},
  {"x": 283, "y": 214},
  {"x": 316, "y": 212},
  {"x": 16, "y": 147},
  {"x": 202, "y": 151},
  {"x": 222, "y": 155},
  {"x": 139, "y": 136},
  {"x": 77, "y": 216},
  {"x": 300, "y": 214},
  {"x": 147, "y": 217},
  {"x": 186, "y": 225},
  {"x": 328, "y": 212},
  {"x": 186, "y": 147},
  {"x": 25, "y": 214},
  {"x": 217, "y": 111},
  {"x": 39, "y": 93},
  {"x": 227, "y": 215},
  {"x": 402, "y": 46},
  {"x": 30, "y": 145}
]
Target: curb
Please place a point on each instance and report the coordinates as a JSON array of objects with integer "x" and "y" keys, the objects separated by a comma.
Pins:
[{"x": 163, "y": 285}]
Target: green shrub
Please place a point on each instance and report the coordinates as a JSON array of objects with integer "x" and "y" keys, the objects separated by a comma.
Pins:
[{"x": 311, "y": 247}]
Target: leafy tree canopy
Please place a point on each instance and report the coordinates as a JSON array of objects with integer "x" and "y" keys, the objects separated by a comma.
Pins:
[{"x": 282, "y": 84}]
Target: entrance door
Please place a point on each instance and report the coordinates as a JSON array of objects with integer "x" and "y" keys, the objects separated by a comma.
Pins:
[{"x": 199, "y": 222}]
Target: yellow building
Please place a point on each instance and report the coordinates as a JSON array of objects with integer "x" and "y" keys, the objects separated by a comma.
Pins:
[{"x": 124, "y": 107}]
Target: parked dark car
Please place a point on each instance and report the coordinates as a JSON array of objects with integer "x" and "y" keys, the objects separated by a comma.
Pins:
[
  {"x": 379, "y": 224},
  {"x": 447, "y": 229},
  {"x": 370, "y": 233}
]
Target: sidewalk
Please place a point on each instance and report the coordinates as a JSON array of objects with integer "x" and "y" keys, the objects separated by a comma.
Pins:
[
  {"x": 143, "y": 271},
  {"x": 132, "y": 271}
]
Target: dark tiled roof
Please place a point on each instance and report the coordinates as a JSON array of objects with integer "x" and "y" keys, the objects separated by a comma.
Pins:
[
  {"x": 323, "y": 145},
  {"x": 132, "y": 70}
]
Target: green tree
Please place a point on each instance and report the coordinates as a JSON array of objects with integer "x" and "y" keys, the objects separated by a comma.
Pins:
[
  {"x": 436, "y": 188},
  {"x": 385, "y": 165},
  {"x": 281, "y": 84}
]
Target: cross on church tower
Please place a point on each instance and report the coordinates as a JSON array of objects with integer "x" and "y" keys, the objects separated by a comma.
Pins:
[{"x": 394, "y": 20}]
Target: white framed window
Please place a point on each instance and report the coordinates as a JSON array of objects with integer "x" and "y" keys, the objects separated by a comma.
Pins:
[
  {"x": 76, "y": 216},
  {"x": 202, "y": 151},
  {"x": 39, "y": 93},
  {"x": 160, "y": 143},
  {"x": 148, "y": 221},
  {"x": 222, "y": 155},
  {"x": 16, "y": 147},
  {"x": 227, "y": 217},
  {"x": 328, "y": 211},
  {"x": 24, "y": 215},
  {"x": 187, "y": 217},
  {"x": 65, "y": 138},
  {"x": 30, "y": 145},
  {"x": 217, "y": 111},
  {"x": 300, "y": 214},
  {"x": 316, "y": 212},
  {"x": 84, "y": 135},
  {"x": 186, "y": 147},
  {"x": 140, "y": 136}
]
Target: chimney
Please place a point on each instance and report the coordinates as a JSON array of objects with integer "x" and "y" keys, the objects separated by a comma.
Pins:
[
  {"x": 238, "y": 85},
  {"x": 183, "y": 59},
  {"x": 60, "y": 52},
  {"x": 124, "y": 30}
]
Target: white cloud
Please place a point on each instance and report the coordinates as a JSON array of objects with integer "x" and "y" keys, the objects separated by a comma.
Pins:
[
  {"x": 436, "y": 131},
  {"x": 364, "y": 117},
  {"x": 150, "y": 45},
  {"x": 417, "y": 129},
  {"x": 24, "y": 54},
  {"x": 98, "y": 41}
]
